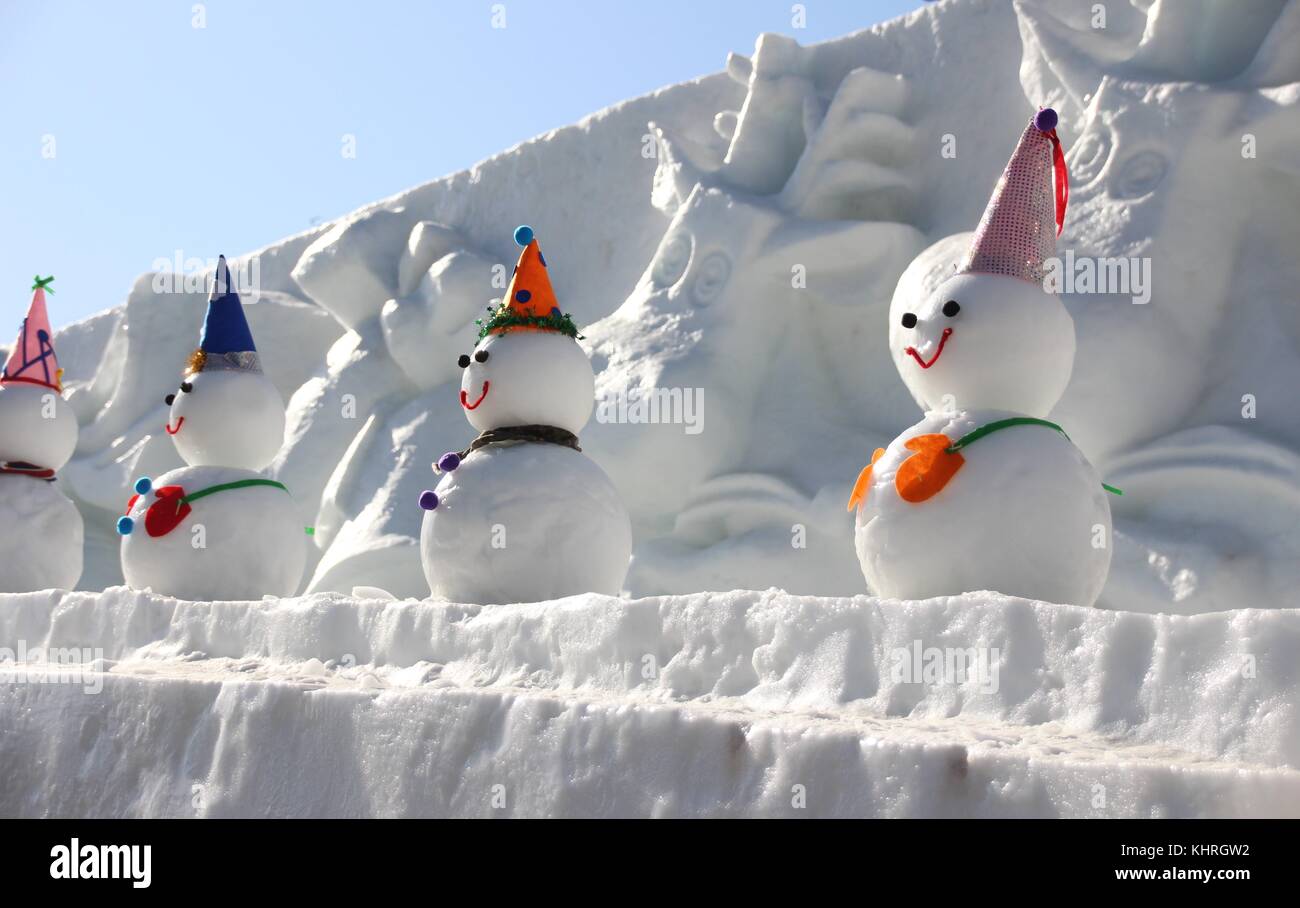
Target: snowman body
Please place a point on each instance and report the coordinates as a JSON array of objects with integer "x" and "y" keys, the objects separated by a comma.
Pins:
[
  {"x": 240, "y": 543},
  {"x": 1025, "y": 515},
  {"x": 47, "y": 553},
  {"x": 524, "y": 515},
  {"x": 524, "y": 522},
  {"x": 42, "y": 547}
]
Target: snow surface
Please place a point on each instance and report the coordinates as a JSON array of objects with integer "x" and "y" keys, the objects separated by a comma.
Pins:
[
  {"x": 711, "y": 704},
  {"x": 680, "y": 267}
]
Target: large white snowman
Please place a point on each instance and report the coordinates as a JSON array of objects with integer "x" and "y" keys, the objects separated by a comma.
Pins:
[
  {"x": 522, "y": 515},
  {"x": 42, "y": 536},
  {"x": 985, "y": 493},
  {"x": 218, "y": 528}
]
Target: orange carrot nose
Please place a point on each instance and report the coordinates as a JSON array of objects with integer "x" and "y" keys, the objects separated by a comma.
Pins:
[{"x": 928, "y": 470}]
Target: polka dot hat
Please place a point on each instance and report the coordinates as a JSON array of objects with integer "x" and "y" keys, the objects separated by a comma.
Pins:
[{"x": 529, "y": 303}]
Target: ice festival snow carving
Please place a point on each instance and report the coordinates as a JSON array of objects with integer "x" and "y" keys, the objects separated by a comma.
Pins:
[{"x": 754, "y": 258}]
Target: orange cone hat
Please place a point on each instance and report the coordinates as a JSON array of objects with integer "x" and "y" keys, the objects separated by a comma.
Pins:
[{"x": 529, "y": 303}]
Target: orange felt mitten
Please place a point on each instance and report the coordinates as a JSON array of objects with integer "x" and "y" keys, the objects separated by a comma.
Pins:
[
  {"x": 928, "y": 469},
  {"x": 863, "y": 484}
]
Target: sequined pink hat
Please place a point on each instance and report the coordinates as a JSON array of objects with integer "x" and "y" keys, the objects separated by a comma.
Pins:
[{"x": 1027, "y": 209}]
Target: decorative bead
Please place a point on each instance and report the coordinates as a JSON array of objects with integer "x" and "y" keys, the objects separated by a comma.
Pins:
[
  {"x": 448, "y": 462},
  {"x": 428, "y": 499},
  {"x": 124, "y": 526},
  {"x": 523, "y": 234},
  {"x": 143, "y": 485}
]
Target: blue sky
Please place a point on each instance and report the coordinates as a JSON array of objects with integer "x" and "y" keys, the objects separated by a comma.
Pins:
[{"x": 128, "y": 133}]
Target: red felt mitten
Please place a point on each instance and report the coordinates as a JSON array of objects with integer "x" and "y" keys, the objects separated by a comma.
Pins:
[{"x": 165, "y": 514}]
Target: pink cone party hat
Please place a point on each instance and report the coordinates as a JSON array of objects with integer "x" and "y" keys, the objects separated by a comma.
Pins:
[
  {"x": 32, "y": 359},
  {"x": 1027, "y": 209}
]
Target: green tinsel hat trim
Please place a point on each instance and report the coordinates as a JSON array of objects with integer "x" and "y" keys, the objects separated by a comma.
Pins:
[{"x": 504, "y": 318}]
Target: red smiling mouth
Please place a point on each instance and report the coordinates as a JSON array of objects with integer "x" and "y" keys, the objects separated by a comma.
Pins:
[
  {"x": 180, "y": 422},
  {"x": 947, "y": 332},
  {"x": 464, "y": 398}
]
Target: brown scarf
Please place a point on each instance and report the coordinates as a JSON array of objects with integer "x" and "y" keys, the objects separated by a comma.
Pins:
[{"x": 543, "y": 434}]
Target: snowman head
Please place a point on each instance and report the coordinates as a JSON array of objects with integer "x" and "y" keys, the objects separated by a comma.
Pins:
[
  {"x": 527, "y": 368},
  {"x": 991, "y": 337},
  {"x": 37, "y": 426},
  {"x": 527, "y": 378},
  {"x": 226, "y": 413},
  {"x": 226, "y": 418},
  {"x": 983, "y": 341}
]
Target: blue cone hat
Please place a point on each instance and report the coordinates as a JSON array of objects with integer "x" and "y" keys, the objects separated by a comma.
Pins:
[{"x": 226, "y": 342}]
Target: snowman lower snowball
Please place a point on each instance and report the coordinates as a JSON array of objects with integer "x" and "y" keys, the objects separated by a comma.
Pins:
[
  {"x": 47, "y": 554},
  {"x": 41, "y": 547},
  {"x": 986, "y": 493},
  {"x": 218, "y": 528},
  {"x": 523, "y": 515}
]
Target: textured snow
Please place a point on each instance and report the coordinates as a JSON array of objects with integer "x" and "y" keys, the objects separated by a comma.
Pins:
[
  {"x": 704, "y": 705},
  {"x": 1178, "y": 696}
]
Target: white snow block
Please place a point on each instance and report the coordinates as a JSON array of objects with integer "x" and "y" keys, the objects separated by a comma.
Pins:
[{"x": 713, "y": 704}]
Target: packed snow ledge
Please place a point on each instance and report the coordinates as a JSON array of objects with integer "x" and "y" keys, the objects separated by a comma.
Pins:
[{"x": 124, "y": 703}]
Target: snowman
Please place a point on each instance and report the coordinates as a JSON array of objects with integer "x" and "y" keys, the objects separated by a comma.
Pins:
[
  {"x": 985, "y": 493},
  {"x": 522, "y": 515},
  {"x": 218, "y": 528},
  {"x": 41, "y": 547}
]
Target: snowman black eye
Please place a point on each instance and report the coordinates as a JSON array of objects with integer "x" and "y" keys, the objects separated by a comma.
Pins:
[
  {"x": 186, "y": 387},
  {"x": 909, "y": 320},
  {"x": 951, "y": 308},
  {"x": 170, "y": 399},
  {"x": 481, "y": 356},
  {"x": 463, "y": 362}
]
